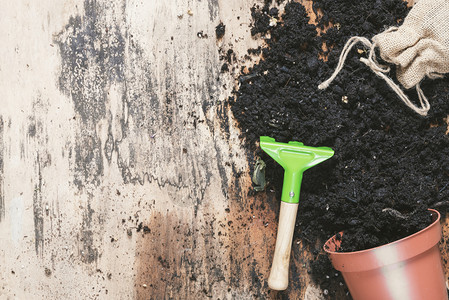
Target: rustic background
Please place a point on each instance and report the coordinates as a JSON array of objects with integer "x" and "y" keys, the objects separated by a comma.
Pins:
[{"x": 122, "y": 175}]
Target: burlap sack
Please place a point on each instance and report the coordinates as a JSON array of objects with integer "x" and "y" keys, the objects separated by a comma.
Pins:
[{"x": 418, "y": 48}]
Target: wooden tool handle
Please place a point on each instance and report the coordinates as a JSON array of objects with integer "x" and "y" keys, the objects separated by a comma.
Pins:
[{"x": 278, "y": 279}]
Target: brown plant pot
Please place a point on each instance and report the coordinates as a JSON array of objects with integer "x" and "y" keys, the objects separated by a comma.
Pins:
[{"x": 408, "y": 269}]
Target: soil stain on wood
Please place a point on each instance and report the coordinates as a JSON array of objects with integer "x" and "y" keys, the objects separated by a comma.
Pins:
[
  {"x": 38, "y": 212},
  {"x": 176, "y": 258},
  {"x": 92, "y": 52},
  {"x": 216, "y": 255},
  {"x": 98, "y": 53},
  {"x": 88, "y": 252}
]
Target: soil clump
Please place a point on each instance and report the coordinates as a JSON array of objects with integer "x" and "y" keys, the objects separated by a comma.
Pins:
[{"x": 220, "y": 30}]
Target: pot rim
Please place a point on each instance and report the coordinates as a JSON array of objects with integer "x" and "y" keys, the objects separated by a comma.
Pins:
[{"x": 433, "y": 211}]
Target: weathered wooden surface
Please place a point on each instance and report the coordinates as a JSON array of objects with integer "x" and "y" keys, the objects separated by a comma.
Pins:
[{"x": 113, "y": 115}]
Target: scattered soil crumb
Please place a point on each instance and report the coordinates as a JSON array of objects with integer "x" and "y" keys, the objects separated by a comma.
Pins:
[{"x": 220, "y": 30}]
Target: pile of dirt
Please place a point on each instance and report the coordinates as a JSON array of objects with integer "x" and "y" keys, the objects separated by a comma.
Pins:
[{"x": 388, "y": 159}]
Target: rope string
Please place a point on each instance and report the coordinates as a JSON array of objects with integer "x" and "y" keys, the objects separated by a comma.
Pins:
[{"x": 380, "y": 71}]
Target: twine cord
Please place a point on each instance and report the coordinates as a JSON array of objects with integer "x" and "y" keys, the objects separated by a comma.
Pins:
[{"x": 380, "y": 71}]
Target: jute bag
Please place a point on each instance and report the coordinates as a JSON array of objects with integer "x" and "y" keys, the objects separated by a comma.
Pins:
[{"x": 418, "y": 48}]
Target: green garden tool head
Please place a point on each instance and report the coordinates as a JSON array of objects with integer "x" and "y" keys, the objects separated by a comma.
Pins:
[{"x": 295, "y": 158}]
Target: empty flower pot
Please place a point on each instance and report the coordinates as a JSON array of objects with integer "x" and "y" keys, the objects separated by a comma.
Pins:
[{"x": 407, "y": 269}]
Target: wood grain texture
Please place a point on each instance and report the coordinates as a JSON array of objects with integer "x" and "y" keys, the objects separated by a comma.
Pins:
[
  {"x": 278, "y": 279},
  {"x": 122, "y": 175}
]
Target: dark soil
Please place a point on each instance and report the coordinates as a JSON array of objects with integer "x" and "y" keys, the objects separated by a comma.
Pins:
[
  {"x": 220, "y": 30},
  {"x": 390, "y": 164}
]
